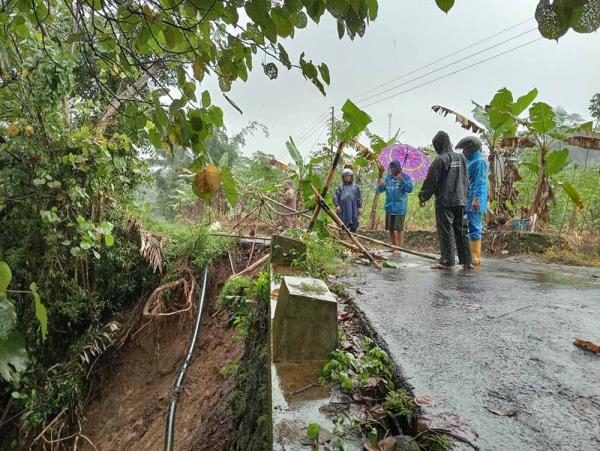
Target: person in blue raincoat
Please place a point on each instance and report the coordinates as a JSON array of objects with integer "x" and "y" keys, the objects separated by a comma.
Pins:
[
  {"x": 348, "y": 200},
  {"x": 396, "y": 187},
  {"x": 477, "y": 171}
]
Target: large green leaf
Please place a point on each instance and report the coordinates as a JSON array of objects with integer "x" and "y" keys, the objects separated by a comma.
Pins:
[
  {"x": 445, "y": 5},
  {"x": 573, "y": 194},
  {"x": 40, "y": 311},
  {"x": 524, "y": 101},
  {"x": 532, "y": 167},
  {"x": 556, "y": 17},
  {"x": 5, "y": 276},
  {"x": 13, "y": 357},
  {"x": 229, "y": 186},
  {"x": 294, "y": 152},
  {"x": 481, "y": 116},
  {"x": 501, "y": 108},
  {"x": 8, "y": 317},
  {"x": 541, "y": 118},
  {"x": 356, "y": 118},
  {"x": 556, "y": 161}
]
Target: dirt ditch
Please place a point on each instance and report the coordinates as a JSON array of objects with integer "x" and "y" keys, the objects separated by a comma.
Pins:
[{"x": 129, "y": 409}]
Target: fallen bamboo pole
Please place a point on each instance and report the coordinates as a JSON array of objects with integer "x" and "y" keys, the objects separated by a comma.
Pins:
[
  {"x": 328, "y": 181},
  {"x": 233, "y": 235},
  {"x": 366, "y": 238},
  {"x": 398, "y": 248},
  {"x": 302, "y": 213},
  {"x": 340, "y": 224},
  {"x": 256, "y": 265}
]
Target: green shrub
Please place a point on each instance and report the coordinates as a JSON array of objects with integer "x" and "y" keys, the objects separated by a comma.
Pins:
[{"x": 399, "y": 403}]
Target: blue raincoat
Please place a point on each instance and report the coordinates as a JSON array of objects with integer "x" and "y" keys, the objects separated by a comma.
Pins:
[
  {"x": 349, "y": 199},
  {"x": 396, "y": 193},
  {"x": 477, "y": 170}
]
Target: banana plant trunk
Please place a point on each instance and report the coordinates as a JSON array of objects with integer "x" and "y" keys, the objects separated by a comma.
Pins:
[
  {"x": 373, "y": 219},
  {"x": 543, "y": 192},
  {"x": 373, "y": 216}
]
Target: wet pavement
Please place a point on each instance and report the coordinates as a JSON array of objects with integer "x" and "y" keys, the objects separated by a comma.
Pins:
[{"x": 502, "y": 339}]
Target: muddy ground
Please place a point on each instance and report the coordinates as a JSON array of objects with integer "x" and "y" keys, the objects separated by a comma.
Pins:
[{"x": 129, "y": 409}]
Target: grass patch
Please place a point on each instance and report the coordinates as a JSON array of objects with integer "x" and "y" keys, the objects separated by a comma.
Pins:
[
  {"x": 399, "y": 403},
  {"x": 435, "y": 442}
]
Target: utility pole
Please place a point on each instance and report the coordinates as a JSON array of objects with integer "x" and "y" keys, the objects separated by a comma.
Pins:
[
  {"x": 389, "y": 125},
  {"x": 331, "y": 132}
]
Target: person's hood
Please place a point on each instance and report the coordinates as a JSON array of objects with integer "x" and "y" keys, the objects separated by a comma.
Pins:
[
  {"x": 396, "y": 163},
  {"x": 441, "y": 143}
]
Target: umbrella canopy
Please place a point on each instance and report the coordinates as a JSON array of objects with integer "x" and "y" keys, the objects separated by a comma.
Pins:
[{"x": 414, "y": 161}]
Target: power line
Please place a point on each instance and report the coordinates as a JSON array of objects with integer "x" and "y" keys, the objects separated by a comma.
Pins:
[
  {"x": 444, "y": 57},
  {"x": 314, "y": 123},
  {"x": 312, "y": 128},
  {"x": 446, "y": 66},
  {"x": 321, "y": 128},
  {"x": 453, "y": 73}
]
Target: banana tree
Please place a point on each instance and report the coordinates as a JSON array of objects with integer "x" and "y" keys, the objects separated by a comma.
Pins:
[
  {"x": 549, "y": 137},
  {"x": 491, "y": 123}
]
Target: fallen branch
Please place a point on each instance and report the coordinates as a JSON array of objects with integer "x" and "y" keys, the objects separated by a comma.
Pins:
[
  {"x": 256, "y": 265},
  {"x": 303, "y": 389},
  {"x": 233, "y": 235},
  {"x": 391, "y": 246}
]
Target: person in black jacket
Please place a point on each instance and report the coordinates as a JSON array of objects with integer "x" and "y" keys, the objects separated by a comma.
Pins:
[{"x": 447, "y": 179}]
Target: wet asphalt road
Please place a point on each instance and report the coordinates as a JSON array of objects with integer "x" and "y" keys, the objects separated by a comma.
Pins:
[{"x": 501, "y": 338}]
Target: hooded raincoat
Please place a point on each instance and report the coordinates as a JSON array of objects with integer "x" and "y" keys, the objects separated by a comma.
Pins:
[
  {"x": 349, "y": 198},
  {"x": 396, "y": 192},
  {"x": 477, "y": 169},
  {"x": 447, "y": 180},
  {"x": 447, "y": 176}
]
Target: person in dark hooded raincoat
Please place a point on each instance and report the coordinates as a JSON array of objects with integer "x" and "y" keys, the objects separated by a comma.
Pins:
[
  {"x": 348, "y": 200},
  {"x": 447, "y": 180}
]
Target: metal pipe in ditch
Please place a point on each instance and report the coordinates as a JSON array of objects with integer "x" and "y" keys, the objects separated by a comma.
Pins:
[{"x": 170, "y": 428}]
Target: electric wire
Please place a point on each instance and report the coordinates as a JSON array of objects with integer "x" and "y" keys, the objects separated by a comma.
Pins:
[{"x": 453, "y": 73}]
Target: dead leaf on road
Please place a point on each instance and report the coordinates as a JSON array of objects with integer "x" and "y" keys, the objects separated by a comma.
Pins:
[
  {"x": 344, "y": 315},
  {"x": 449, "y": 424},
  {"x": 426, "y": 401},
  {"x": 586, "y": 405},
  {"x": 587, "y": 345},
  {"x": 503, "y": 411}
]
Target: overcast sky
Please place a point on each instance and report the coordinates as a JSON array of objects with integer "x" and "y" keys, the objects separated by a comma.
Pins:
[{"x": 407, "y": 35}]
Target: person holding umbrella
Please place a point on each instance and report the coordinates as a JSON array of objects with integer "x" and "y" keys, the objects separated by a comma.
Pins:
[
  {"x": 396, "y": 186},
  {"x": 447, "y": 180},
  {"x": 348, "y": 200},
  {"x": 477, "y": 170}
]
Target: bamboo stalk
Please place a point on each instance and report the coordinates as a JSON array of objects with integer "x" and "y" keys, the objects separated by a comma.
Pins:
[
  {"x": 257, "y": 264},
  {"x": 325, "y": 189},
  {"x": 358, "y": 235},
  {"x": 398, "y": 248},
  {"x": 233, "y": 235}
]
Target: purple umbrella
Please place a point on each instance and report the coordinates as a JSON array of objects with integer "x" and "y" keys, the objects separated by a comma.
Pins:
[{"x": 414, "y": 161}]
